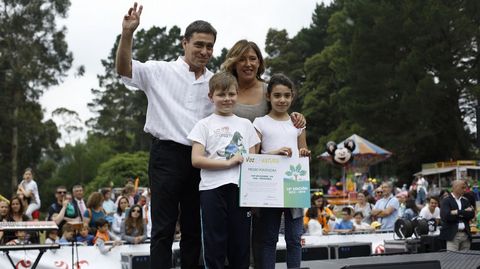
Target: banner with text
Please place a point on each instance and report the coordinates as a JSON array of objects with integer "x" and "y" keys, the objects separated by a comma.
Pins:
[{"x": 274, "y": 181}]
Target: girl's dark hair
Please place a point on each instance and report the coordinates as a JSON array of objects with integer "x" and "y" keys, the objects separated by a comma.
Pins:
[
  {"x": 410, "y": 203},
  {"x": 316, "y": 197},
  {"x": 278, "y": 79},
  {"x": 358, "y": 213},
  {"x": 131, "y": 223},
  {"x": 312, "y": 213}
]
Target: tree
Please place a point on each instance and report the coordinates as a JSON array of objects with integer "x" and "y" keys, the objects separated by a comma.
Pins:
[
  {"x": 33, "y": 56},
  {"x": 76, "y": 164},
  {"x": 120, "y": 167},
  {"x": 395, "y": 72}
]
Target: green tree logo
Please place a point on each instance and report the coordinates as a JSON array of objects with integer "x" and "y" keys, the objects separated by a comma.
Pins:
[{"x": 296, "y": 172}]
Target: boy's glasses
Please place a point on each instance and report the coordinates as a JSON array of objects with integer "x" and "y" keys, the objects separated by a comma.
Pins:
[{"x": 61, "y": 192}]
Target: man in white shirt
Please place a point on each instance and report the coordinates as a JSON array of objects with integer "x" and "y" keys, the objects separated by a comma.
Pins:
[{"x": 177, "y": 94}]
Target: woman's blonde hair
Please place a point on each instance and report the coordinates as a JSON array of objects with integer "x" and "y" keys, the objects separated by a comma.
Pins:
[{"x": 237, "y": 51}]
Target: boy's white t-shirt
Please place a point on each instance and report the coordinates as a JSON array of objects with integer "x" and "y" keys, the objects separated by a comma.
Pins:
[
  {"x": 223, "y": 137},
  {"x": 33, "y": 188},
  {"x": 277, "y": 134}
]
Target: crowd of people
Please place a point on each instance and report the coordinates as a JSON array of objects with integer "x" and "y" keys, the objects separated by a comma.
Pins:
[
  {"x": 92, "y": 221},
  {"x": 381, "y": 207}
]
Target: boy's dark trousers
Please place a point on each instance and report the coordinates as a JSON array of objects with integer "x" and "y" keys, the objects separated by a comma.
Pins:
[{"x": 225, "y": 228}]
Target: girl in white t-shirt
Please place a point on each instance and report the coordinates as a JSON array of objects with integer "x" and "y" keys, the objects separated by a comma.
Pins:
[
  {"x": 28, "y": 187},
  {"x": 280, "y": 137}
]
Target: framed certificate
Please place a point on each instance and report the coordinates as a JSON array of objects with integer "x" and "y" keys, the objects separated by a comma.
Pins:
[{"x": 274, "y": 181}]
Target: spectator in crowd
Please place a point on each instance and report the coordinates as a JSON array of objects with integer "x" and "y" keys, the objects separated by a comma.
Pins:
[
  {"x": 94, "y": 210},
  {"x": 129, "y": 193},
  {"x": 28, "y": 187},
  {"x": 402, "y": 199},
  {"x": 432, "y": 211},
  {"x": 16, "y": 214},
  {"x": 363, "y": 206},
  {"x": 142, "y": 200},
  {"x": 21, "y": 238},
  {"x": 78, "y": 201},
  {"x": 359, "y": 224},
  {"x": 108, "y": 204},
  {"x": 346, "y": 224},
  {"x": 84, "y": 236},
  {"x": 147, "y": 215},
  {"x": 57, "y": 210},
  {"x": 313, "y": 226},
  {"x": 4, "y": 210},
  {"x": 68, "y": 234},
  {"x": 17, "y": 210},
  {"x": 104, "y": 235},
  {"x": 378, "y": 194},
  {"x": 422, "y": 186},
  {"x": 319, "y": 204},
  {"x": 120, "y": 215},
  {"x": 456, "y": 213},
  {"x": 134, "y": 230},
  {"x": 386, "y": 209},
  {"x": 411, "y": 209},
  {"x": 52, "y": 237}
]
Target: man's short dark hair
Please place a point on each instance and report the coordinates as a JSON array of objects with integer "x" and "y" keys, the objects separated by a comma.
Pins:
[
  {"x": 200, "y": 27},
  {"x": 77, "y": 186},
  {"x": 61, "y": 187}
]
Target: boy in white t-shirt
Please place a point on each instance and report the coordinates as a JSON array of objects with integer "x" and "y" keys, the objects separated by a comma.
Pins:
[{"x": 219, "y": 141}]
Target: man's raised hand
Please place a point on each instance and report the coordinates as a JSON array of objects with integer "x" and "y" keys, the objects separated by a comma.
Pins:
[{"x": 132, "y": 19}]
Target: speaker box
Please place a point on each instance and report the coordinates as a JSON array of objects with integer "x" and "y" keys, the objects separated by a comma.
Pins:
[
  {"x": 308, "y": 254},
  {"x": 135, "y": 260},
  {"x": 349, "y": 250}
]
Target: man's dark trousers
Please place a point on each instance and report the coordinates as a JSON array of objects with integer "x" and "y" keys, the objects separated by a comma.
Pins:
[{"x": 174, "y": 185}]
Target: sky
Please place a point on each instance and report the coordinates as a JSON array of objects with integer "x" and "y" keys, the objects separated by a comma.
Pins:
[{"x": 92, "y": 27}]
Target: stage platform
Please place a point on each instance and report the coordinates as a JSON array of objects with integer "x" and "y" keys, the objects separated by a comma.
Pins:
[{"x": 448, "y": 260}]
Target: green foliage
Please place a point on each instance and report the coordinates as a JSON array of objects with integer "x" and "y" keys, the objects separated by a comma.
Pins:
[
  {"x": 33, "y": 56},
  {"x": 113, "y": 172},
  {"x": 78, "y": 164}
]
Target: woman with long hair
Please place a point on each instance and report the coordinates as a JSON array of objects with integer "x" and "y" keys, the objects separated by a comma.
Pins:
[
  {"x": 411, "y": 209},
  {"x": 119, "y": 216},
  {"x": 134, "y": 229},
  {"x": 320, "y": 211},
  {"x": 17, "y": 214}
]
